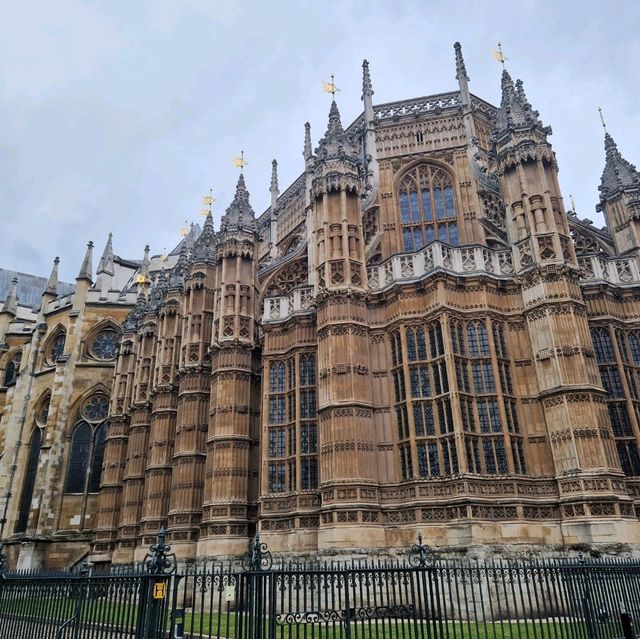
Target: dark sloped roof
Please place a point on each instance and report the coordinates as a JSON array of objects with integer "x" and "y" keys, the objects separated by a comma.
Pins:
[{"x": 30, "y": 287}]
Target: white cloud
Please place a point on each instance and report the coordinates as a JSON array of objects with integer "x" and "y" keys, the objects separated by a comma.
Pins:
[{"x": 118, "y": 116}]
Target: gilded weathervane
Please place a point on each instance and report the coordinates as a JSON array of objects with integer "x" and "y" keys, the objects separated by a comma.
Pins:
[
  {"x": 330, "y": 87},
  {"x": 499, "y": 55},
  {"x": 239, "y": 161}
]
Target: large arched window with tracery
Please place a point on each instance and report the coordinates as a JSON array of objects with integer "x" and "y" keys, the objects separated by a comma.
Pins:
[
  {"x": 31, "y": 466},
  {"x": 427, "y": 208},
  {"x": 86, "y": 454}
]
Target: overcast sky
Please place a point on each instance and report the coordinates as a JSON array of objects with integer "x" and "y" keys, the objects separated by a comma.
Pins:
[{"x": 118, "y": 115}]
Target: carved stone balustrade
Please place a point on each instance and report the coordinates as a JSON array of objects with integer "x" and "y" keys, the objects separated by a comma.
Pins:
[
  {"x": 298, "y": 301},
  {"x": 460, "y": 260},
  {"x": 618, "y": 270}
]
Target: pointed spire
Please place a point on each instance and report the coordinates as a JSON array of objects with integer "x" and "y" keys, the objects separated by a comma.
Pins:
[
  {"x": 179, "y": 270},
  {"x": 52, "y": 283},
  {"x": 86, "y": 269},
  {"x": 203, "y": 249},
  {"x": 274, "y": 179},
  {"x": 144, "y": 268},
  {"x": 619, "y": 175},
  {"x": 308, "y": 151},
  {"x": 461, "y": 69},
  {"x": 367, "y": 89},
  {"x": 462, "y": 77},
  {"x": 11, "y": 302},
  {"x": 515, "y": 110},
  {"x": 239, "y": 214},
  {"x": 335, "y": 142},
  {"x": 106, "y": 261},
  {"x": 136, "y": 314}
]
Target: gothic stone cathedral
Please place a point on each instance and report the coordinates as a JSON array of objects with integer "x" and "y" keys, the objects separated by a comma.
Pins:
[{"x": 415, "y": 335}]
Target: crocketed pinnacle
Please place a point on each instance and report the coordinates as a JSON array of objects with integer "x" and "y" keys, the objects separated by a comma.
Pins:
[
  {"x": 136, "y": 314},
  {"x": 87, "y": 268},
  {"x": 515, "y": 112},
  {"x": 158, "y": 291},
  {"x": 144, "y": 269},
  {"x": 274, "y": 177},
  {"x": 367, "y": 88},
  {"x": 179, "y": 271},
  {"x": 239, "y": 214},
  {"x": 619, "y": 175},
  {"x": 11, "y": 302},
  {"x": 461, "y": 69},
  {"x": 52, "y": 282},
  {"x": 308, "y": 151},
  {"x": 106, "y": 261},
  {"x": 335, "y": 142},
  {"x": 204, "y": 247}
]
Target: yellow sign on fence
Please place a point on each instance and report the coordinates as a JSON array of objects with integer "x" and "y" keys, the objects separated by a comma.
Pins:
[{"x": 159, "y": 590}]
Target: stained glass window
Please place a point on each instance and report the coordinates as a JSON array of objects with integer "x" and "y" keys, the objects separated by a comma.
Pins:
[
  {"x": 277, "y": 442},
  {"x": 277, "y": 410},
  {"x": 276, "y": 377},
  {"x": 309, "y": 473},
  {"x": 30, "y": 472},
  {"x": 96, "y": 408},
  {"x": 104, "y": 345},
  {"x": 79, "y": 458},
  {"x": 98, "y": 457},
  {"x": 57, "y": 347},
  {"x": 276, "y": 477},
  {"x": 602, "y": 344},
  {"x": 307, "y": 404},
  {"x": 12, "y": 368},
  {"x": 309, "y": 438},
  {"x": 308, "y": 369},
  {"x": 634, "y": 343},
  {"x": 426, "y": 197}
]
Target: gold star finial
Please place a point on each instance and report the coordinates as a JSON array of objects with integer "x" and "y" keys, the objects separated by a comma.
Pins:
[
  {"x": 330, "y": 87},
  {"x": 240, "y": 162},
  {"x": 604, "y": 124},
  {"x": 208, "y": 201},
  {"x": 499, "y": 55},
  {"x": 184, "y": 231}
]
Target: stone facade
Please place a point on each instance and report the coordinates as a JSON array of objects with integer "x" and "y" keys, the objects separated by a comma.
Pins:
[{"x": 415, "y": 335}]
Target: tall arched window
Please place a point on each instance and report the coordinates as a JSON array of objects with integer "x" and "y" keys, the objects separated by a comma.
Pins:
[
  {"x": 427, "y": 208},
  {"x": 86, "y": 454},
  {"x": 12, "y": 368},
  {"x": 55, "y": 348},
  {"x": 29, "y": 480}
]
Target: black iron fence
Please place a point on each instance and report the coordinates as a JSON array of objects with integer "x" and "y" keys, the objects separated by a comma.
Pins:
[{"x": 414, "y": 598}]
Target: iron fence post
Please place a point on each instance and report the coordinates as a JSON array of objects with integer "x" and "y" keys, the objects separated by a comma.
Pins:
[
  {"x": 256, "y": 562},
  {"x": 626, "y": 620},
  {"x": 159, "y": 563},
  {"x": 586, "y": 601}
]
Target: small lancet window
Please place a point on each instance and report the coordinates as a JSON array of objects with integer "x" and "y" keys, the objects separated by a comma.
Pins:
[{"x": 12, "y": 368}]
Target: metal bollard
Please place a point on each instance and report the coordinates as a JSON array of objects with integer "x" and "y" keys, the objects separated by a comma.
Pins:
[{"x": 626, "y": 620}]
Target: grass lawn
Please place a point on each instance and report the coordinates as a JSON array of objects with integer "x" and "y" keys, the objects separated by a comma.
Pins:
[{"x": 124, "y": 615}]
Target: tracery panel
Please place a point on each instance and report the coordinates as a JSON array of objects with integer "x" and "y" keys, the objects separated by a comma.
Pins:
[
  {"x": 427, "y": 208},
  {"x": 424, "y": 416},
  {"x": 619, "y": 365},
  {"x": 493, "y": 439},
  {"x": 292, "y": 428}
]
